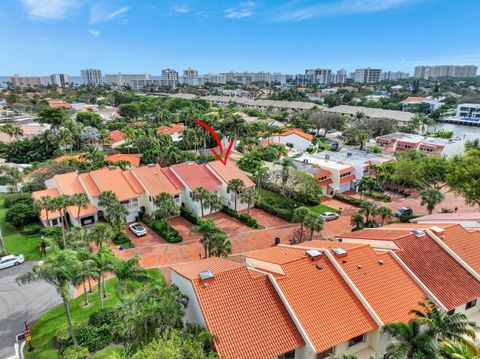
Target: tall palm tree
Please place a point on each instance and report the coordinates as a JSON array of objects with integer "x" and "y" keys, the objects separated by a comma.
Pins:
[
  {"x": 219, "y": 245},
  {"x": 444, "y": 326},
  {"x": 458, "y": 350},
  {"x": 384, "y": 212},
  {"x": 165, "y": 207},
  {"x": 214, "y": 202},
  {"x": 106, "y": 198},
  {"x": 128, "y": 272},
  {"x": 250, "y": 196},
  {"x": 102, "y": 263},
  {"x": 129, "y": 133},
  {"x": 259, "y": 176},
  {"x": 357, "y": 222},
  {"x": 431, "y": 197},
  {"x": 410, "y": 342},
  {"x": 367, "y": 184},
  {"x": 116, "y": 215},
  {"x": 286, "y": 164},
  {"x": 60, "y": 204},
  {"x": 101, "y": 234},
  {"x": 314, "y": 222},
  {"x": 235, "y": 185},
  {"x": 361, "y": 136},
  {"x": 80, "y": 200},
  {"x": 208, "y": 230},
  {"x": 60, "y": 270},
  {"x": 86, "y": 272},
  {"x": 369, "y": 209},
  {"x": 200, "y": 195},
  {"x": 299, "y": 216},
  {"x": 47, "y": 204},
  {"x": 359, "y": 116}
]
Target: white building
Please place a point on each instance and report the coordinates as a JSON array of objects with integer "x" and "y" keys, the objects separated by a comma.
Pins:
[
  {"x": 134, "y": 81},
  {"x": 367, "y": 75},
  {"x": 433, "y": 72},
  {"x": 91, "y": 77},
  {"x": 60, "y": 80},
  {"x": 469, "y": 112},
  {"x": 169, "y": 78},
  {"x": 27, "y": 81}
]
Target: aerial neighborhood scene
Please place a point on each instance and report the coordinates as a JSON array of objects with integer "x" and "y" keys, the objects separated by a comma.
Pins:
[{"x": 239, "y": 179}]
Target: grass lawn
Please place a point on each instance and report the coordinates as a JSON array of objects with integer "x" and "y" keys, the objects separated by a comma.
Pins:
[
  {"x": 281, "y": 201},
  {"x": 16, "y": 242},
  {"x": 45, "y": 328},
  {"x": 321, "y": 208},
  {"x": 105, "y": 353}
]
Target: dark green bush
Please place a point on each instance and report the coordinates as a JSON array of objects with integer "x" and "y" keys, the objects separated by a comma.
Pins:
[
  {"x": 405, "y": 218},
  {"x": 75, "y": 352},
  {"x": 21, "y": 214},
  {"x": 381, "y": 196},
  {"x": 93, "y": 337},
  {"x": 162, "y": 228},
  {"x": 189, "y": 216},
  {"x": 357, "y": 202},
  {"x": 244, "y": 217},
  {"x": 106, "y": 316},
  {"x": 16, "y": 198},
  {"x": 284, "y": 213},
  {"x": 31, "y": 229},
  {"x": 62, "y": 336}
]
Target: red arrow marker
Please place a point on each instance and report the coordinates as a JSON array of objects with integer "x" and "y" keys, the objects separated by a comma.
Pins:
[{"x": 219, "y": 143}]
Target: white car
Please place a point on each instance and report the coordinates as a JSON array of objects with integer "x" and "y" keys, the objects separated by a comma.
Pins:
[
  {"x": 329, "y": 216},
  {"x": 11, "y": 260},
  {"x": 138, "y": 229}
]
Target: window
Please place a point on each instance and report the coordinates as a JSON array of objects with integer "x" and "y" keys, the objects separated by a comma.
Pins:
[
  {"x": 356, "y": 340},
  {"x": 326, "y": 353},
  {"x": 287, "y": 355},
  {"x": 345, "y": 174},
  {"x": 450, "y": 312},
  {"x": 150, "y": 198},
  {"x": 54, "y": 222},
  {"x": 471, "y": 304}
]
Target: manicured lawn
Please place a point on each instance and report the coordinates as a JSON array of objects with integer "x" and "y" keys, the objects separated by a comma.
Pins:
[
  {"x": 108, "y": 351},
  {"x": 16, "y": 242},
  {"x": 45, "y": 328},
  {"x": 281, "y": 201},
  {"x": 321, "y": 208}
]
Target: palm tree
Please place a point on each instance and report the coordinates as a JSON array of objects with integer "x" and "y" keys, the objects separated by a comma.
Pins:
[
  {"x": 101, "y": 233},
  {"x": 81, "y": 201},
  {"x": 107, "y": 198},
  {"x": 60, "y": 270},
  {"x": 60, "y": 204},
  {"x": 86, "y": 272},
  {"x": 359, "y": 116},
  {"x": 211, "y": 235},
  {"x": 369, "y": 209},
  {"x": 128, "y": 272},
  {"x": 299, "y": 216},
  {"x": 102, "y": 263},
  {"x": 129, "y": 133},
  {"x": 214, "y": 202},
  {"x": 357, "y": 222},
  {"x": 250, "y": 196},
  {"x": 259, "y": 176},
  {"x": 367, "y": 184},
  {"x": 314, "y": 222},
  {"x": 46, "y": 203},
  {"x": 235, "y": 185},
  {"x": 201, "y": 195},
  {"x": 410, "y": 342},
  {"x": 361, "y": 136},
  {"x": 431, "y": 197},
  {"x": 384, "y": 212},
  {"x": 286, "y": 164},
  {"x": 165, "y": 207},
  {"x": 444, "y": 326},
  {"x": 457, "y": 350},
  {"x": 219, "y": 245}
]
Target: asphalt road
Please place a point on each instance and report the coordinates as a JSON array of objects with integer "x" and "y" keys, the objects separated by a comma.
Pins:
[{"x": 20, "y": 304}]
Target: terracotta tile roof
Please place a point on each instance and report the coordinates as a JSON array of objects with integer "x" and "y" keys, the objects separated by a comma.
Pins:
[
  {"x": 133, "y": 181},
  {"x": 348, "y": 178},
  {"x": 116, "y": 136},
  {"x": 132, "y": 158},
  {"x": 114, "y": 180},
  {"x": 451, "y": 216},
  {"x": 173, "y": 128},
  {"x": 66, "y": 158},
  {"x": 390, "y": 290},
  {"x": 89, "y": 184},
  {"x": 327, "y": 309},
  {"x": 464, "y": 243},
  {"x": 229, "y": 171},
  {"x": 440, "y": 272},
  {"x": 410, "y": 226},
  {"x": 243, "y": 311},
  {"x": 68, "y": 183},
  {"x": 49, "y": 192},
  {"x": 155, "y": 180},
  {"x": 323, "y": 173},
  {"x": 325, "y": 182},
  {"x": 329, "y": 244},
  {"x": 380, "y": 234},
  {"x": 91, "y": 209},
  {"x": 195, "y": 175},
  {"x": 347, "y": 169},
  {"x": 217, "y": 265},
  {"x": 277, "y": 254},
  {"x": 294, "y": 131},
  {"x": 172, "y": 177}
]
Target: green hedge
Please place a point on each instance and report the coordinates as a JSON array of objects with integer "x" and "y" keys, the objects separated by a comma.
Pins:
[
  {"x": 32, "y": 228},
  {"x": 189, "y": 216},
  {"x": 286, "y": 214},
  {"x": 162, "y": 228},
  {"x": 381, "y": 196},
  {"x": 244, "y": 218},
  {"x": 357, "y": 202},
  {"x": 123, "y": 240}
]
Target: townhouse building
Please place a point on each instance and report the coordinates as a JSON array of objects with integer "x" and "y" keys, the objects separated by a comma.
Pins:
[
  {"x": 137, "y": 188},
  {"x": 399, "y": 141},
  {"x": 295, "y": 137},
  {"x": 325, "y": 298}
]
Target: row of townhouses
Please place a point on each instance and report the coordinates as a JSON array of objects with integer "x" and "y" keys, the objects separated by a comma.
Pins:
[
  {"x": 323, "y": 298},
  {"x": 137, "y": 188}
]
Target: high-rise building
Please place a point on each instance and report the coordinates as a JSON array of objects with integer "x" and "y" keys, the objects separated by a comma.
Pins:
[
  {"x": 92, "y": 77},
  {"x": 169, "y": 78},
  {"x": 246, "y": 78},
  {"x": 394, "y": 75},
  {"x": 60, "y": 80},
  {"x": 341, "y": 76},
  {"x": 134, "y": 81},
  {"x": 367, "y": 75},
  {"x": 27, "y": 81},
  {"x": 434, "y": 72},
  {"x": 190, "y": 72},
  {"x": 219, "y": 79}
]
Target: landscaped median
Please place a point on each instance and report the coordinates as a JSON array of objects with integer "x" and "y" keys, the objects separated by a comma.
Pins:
[{"x": 163, "y": 229}]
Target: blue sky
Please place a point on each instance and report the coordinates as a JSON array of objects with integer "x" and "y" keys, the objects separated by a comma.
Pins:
[{"x": 136, "y": 36}]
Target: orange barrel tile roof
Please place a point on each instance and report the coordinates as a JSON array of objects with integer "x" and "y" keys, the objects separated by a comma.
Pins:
[
  {"x": 195, "y": 176},
  {"x": 49, "y": 192},
  {"x": 132, "y": 158},
  {"x": 66, "y": 158},
  {"x": 68, "y": 183},
  {"x": 113, "y": 179},
  {"x": 294, "y": 131},
  {"x": 242, "y": 310},
  {"x": 229, "y": 171},
  {"x": 155, "y": 180},
  {"x": 172, "y": 177},
  {"x": 116, "y": 136},
  {"x": 90, "y": 185},
  {"x": 173, "y": 128},
  {"x": 348, "y": 178}
]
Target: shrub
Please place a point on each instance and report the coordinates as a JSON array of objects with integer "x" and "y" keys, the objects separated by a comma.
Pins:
[
  {"x": 75, "y": 352},
  {"x": 106, "y": 316},
  {"x": 162, "y": 228},
  {"x": 30, "y": 229},
  {"x": 62, "y": 336},
  {"x": 124, "y": 240},
  {"x": 357, "y": 202},
  {"x": 244, "y": 217},
  {"x": 375, "y": 149},
  {"x": 16, "y": 198},
  {"x": 405, "y": 218},
  {"x": 93, "y": 337},
  {"x": 381, "y": 196},
  {"x": 189, "y": 216},
  {"x": 20, "y": 214},
  {"x": 284, "y": 213}
]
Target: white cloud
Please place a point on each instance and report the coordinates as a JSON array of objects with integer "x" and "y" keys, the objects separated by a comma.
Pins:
[
  {"x": 244, "y": 9},
  {"x": 100, "y": 14},
  {"x": 50, "y": 9},
  {"x": 181, "y": 9},
  {"x": 94, "y": 32},
  {"x": 342, "y": 7}
]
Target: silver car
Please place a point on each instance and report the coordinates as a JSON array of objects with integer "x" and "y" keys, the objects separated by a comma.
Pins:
[
  {"x": 11, "y": 260},
  {"x": 329, "y": 216},
  {"x": 138, "y": 229}
]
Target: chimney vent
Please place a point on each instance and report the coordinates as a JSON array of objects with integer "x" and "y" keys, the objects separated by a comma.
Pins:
[
  {"x": 359, "y": 266},
  {"x": 319, "y": 265},
  {"x": 277, "y": 241},
  {"x": 380, "y": 261},
  {"x": 112, "y": 168}
]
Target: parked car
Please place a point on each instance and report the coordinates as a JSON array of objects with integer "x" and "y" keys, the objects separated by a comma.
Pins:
[
  {"x": 329, "y": 216},
  {"x": 138, "y": 229},
  {"x": 403, "y": 211},
  {"x": 11, "y": 260}
]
